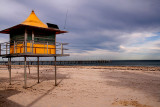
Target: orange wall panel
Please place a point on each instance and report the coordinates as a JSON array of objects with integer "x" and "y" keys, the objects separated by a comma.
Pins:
[{"x": 37, "y": 49}]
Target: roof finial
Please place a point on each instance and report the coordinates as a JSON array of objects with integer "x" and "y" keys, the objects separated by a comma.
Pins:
[{"x": 33, "y": 20}]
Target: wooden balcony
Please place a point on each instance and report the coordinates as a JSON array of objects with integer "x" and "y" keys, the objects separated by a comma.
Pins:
[{"x": 32, "y": 49}]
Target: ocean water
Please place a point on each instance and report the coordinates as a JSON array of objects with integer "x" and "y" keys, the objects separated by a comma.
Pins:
[
  {"x": 154, "y": 63},
  {"x": 133, "y": 63}
]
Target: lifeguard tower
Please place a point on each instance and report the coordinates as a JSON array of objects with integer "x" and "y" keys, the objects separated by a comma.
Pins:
[{"x": 32, "y": 38}]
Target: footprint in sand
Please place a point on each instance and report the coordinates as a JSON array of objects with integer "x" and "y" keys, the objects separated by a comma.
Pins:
[{"x": 129, "y": 103}]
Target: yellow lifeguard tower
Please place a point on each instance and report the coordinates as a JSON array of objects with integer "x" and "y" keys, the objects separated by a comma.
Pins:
[{"x": 32, "y": 38}]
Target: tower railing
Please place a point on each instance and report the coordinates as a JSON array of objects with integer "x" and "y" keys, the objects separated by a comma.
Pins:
[{"x": 32, "y": 47}]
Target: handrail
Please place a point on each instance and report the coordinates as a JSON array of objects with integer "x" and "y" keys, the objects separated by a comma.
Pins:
[{"x": 21, "y": 45}]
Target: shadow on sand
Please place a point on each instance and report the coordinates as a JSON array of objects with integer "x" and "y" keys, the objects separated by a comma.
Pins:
[
  {"x": 60, "y": 77},
  {"x": 145, "y": 82},
  {"x": 18, "y": 79},
  {"x": 4, "y": 102}
]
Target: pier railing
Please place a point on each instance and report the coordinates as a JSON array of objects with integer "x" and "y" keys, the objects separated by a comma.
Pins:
[{"x": 32, "y": 47}]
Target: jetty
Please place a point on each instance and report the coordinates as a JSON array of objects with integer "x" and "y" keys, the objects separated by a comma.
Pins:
[{"x": 67, "y": 62}]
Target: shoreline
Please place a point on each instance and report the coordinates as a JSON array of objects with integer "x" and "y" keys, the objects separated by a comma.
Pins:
[{"x": 148, "y": 68}]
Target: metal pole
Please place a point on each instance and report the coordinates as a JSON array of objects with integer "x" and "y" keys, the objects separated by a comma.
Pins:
[
  {"x": 55, "y": 72},
  {"x": 38, "y": 68},
  {"x": 25, "y": 75}
]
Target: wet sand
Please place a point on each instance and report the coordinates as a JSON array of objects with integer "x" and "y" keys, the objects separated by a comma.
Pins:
[{"x": 81, "y": 86}]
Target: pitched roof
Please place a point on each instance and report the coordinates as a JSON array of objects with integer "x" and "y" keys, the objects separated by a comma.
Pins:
[
  {"x": 22, "y": 27},
  {"x": 33, "y": 20}
]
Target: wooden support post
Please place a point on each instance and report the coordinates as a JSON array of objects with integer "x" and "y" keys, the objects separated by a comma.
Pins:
[
  {"x": 14, "y": 47},
  {"x": 9, "y": 69},
  {"x": 6, "y": 48},
  {"x": 32, "y": 41},
  {"x": 0, "y": 49},
  {"x": 25, "y": 41},
  {"x": 25, "y": 73},
  {"x": 26, "y": 46},
  {"x": 23, "y": 47},
  {"x": 55, "y": 72},
  {"x": 32, "y": 36},
  {"x": 28, "y": 67},
  {"x": 30, "y": 46},
  {"x": 47, "y": 47},
  {"x": 44, "y": 48},
  {"x": 38, "y": 68},
  {"x": 35, "y": 50},
  {"x": 61, "y": 48}
]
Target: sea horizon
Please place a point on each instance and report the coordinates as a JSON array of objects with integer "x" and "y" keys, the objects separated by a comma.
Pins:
[{"x": 154, "y": 63}]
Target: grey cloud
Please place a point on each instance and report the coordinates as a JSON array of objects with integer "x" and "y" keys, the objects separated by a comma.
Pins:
[{"x": 87, "y": 19}]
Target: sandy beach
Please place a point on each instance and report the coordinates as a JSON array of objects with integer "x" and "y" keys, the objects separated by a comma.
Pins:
[{"x": 81, "y": 86}]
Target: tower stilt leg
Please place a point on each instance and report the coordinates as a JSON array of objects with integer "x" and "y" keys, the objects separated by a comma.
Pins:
[
  {"x": 25, "y": 73},
  {"x": 55, "y": 72},
  {"x": 28, "y": 67},
  {"x": 38, "y": 68},
  {"x": 9, "y": 68}
]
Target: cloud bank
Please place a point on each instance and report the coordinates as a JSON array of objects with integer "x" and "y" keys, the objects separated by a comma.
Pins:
[{"x": 98, "y": 29}]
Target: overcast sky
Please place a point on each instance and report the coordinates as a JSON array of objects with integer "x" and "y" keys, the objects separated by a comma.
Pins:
[{"x": 98, "y": 29}]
